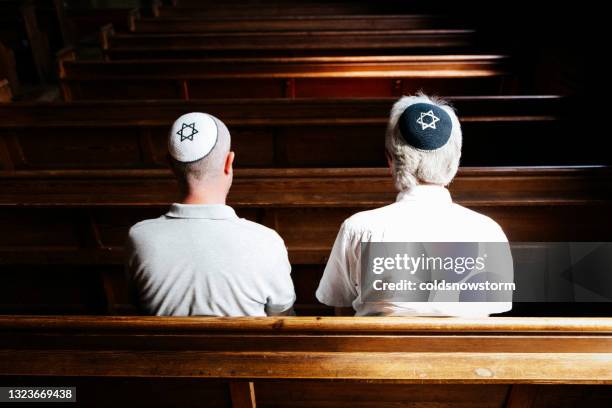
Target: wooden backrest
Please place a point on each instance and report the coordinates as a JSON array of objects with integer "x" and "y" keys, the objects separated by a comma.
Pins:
[
  {"x": 279, "y": 132},
  {"x": 284, "y": 44},
  {"x": 65, "y": 252},
  {"x": 302, "y": 23},
  {"x": 86, "y": 22},
  {"x": 280, "y": 77},
  {"x": 232, "y": 8},
  {"x": 519, "y": 198}
]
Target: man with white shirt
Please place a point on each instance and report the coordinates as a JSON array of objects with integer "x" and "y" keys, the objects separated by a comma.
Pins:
[
  {"x": 200, "y": 258},
  {"x": 423, "y": 147}
]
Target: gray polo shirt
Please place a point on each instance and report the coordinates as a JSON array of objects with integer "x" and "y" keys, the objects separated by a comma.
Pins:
[{"x": 204, "y": 260}]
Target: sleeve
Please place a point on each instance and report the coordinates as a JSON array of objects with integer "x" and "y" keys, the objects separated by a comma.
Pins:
[
  {"x": 282, "y": 294},
  {"x": 131, "y": 266},
  {"x": 336, "y": 287}
]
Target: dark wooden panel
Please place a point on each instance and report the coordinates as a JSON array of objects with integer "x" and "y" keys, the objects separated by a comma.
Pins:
[
  {"x": 9, "y": 81},
  {"x": 280, "y": 133},
  {"x": 327, "y": 395},
  {"x": 48, "y": 288},
  {"x": 170, "y": 392},
  {"x": 80, "y": 219},
  {"x": 270, "y": 111},
  {"x": 288, "y": 77},
  {"x": 278, "y": 8},
  {"x": 288, "y": 44},
  {"x": 303, "y": 23},
  {"x": 94, "y": 147},
  {"x": 19, "y": 32},
  {"x": 237, "y": 88},
  {"x": 133, "y": 89},
  {"x": 345, "y": 187}
]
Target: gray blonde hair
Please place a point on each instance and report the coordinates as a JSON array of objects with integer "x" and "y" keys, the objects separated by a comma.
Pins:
[{"x": 412, "y": 166}]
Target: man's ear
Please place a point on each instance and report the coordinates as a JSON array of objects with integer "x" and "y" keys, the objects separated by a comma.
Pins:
[
  {"x": 389, "y": 161},
  {"x": 229, "y": 162}
]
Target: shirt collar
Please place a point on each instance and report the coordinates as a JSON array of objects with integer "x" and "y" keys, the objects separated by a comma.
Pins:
[
  {"x": 206, "y": 211},
  {"x": 425, "y": 193}
]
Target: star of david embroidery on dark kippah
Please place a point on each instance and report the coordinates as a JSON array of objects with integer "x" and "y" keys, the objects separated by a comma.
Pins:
[
  {"x": 191, "y": 131},
  {"x": 431, "y": 123}
]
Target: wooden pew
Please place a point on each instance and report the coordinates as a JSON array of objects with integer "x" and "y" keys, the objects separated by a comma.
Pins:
[
  {"x": 281, "y": 77},
  {"x": 5, "y": 91},
  {"x": 85, "y": 17},
  {"x": 283, "y": 44},
  {"x": 280, "y": 132},
  {"x": 69, "y": 227},
  {"x": 86, "y": 22},
  {"x": 19, "y": 31},
  {"x": 313, "y": 362},
  {"x": 8, "y": 71},
  {"x": 304, "y": 23},
  {"x": 276, "y": 8}
]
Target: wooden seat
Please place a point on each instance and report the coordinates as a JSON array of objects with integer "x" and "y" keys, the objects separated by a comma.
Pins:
[
  {"x": 279, "y": 132},
  {"x": 280, "y": 77},
  {"x": 78, "y": 220},
  {"x": 291, "y": 361}
]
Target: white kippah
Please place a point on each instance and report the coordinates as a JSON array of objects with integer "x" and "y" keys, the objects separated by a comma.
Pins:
[{"x": 192, "y": 137}]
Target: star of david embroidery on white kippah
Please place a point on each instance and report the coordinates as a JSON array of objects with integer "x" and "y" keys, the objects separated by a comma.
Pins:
[
  {"x": 191, "y": 130},
  {"x": 431, "y": 124}
]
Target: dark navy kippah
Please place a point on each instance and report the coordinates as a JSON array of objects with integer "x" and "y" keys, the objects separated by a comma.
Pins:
[{"x": 425, "y": 126}]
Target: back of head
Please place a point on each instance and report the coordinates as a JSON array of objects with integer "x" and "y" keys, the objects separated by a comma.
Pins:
[
  {"x": 198, "y": 144},
  {"x": 423, "y": 141}
]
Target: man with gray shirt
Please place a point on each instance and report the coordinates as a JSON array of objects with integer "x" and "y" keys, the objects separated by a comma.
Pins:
[{"x": 200, "y": 258}]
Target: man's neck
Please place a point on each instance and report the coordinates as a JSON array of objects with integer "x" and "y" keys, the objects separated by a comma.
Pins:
[{"x": 204, "y": 197}]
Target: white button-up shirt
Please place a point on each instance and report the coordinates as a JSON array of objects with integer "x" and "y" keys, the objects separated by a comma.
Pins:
[{"x": 425, "y": 213}]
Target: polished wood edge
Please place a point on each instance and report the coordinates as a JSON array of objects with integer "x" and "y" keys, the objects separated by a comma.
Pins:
[
  {"x": 275, "y": 101},
  {"x": 330, "y": 325},
  {"x": 518, "y": 171}
]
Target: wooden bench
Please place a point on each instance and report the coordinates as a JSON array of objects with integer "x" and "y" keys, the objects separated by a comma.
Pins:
[
  {"x": 19, "y": 31},
  {"x": 303, "y": 23},
  {"x": 235, "y": 8},
  {"x": 279, "y": 132},
  {"x": 5, "y": 91},
  {"x": 65, "y": 250},
  {"x": 283, "y": 44},
  {"x": 8, "y": 71},
  {"x": 281, "y": 77},
  {"x": 314, "y": 362}
]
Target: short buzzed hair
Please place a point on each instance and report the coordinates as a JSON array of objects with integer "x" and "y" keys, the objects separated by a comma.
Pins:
[
  {"x": 209, "y": 166},
  {"x": 412, "y": 166}
]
